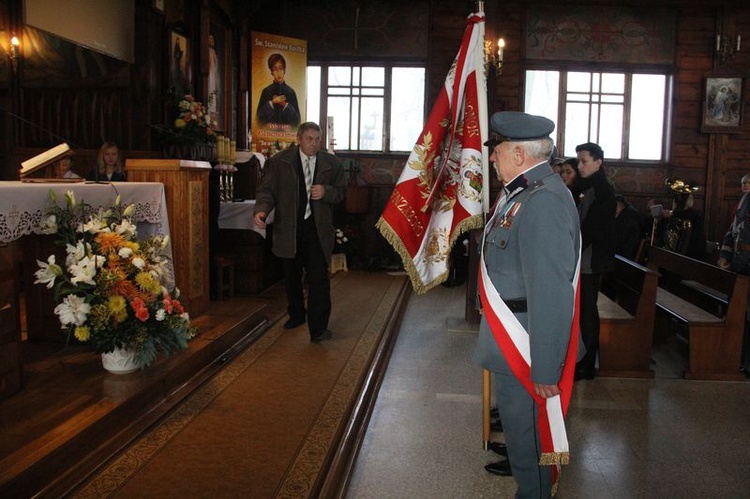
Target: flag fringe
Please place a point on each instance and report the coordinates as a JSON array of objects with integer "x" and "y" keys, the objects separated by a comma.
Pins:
[
  {"x": 554, "y": 458},
  {"x": 390, "y": 235}
]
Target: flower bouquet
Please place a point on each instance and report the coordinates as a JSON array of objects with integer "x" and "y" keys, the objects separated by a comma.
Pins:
[
  {"x": 190, "y": 123},
  {"x": 110, "y": 287},
  {"x": 190, "y": 133}
]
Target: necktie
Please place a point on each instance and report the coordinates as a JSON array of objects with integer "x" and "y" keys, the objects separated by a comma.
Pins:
[{"x": 308, "y": 183}]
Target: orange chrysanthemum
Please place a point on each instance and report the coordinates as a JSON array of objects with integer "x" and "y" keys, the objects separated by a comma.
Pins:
[{"x": 109, "y": 241}]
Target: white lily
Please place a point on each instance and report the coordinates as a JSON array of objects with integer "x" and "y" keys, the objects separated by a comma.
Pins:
[
  {"x": 73, "y": 310},
  {"x": 84, "y": 271},
  {"x": 47, "y": 272}
]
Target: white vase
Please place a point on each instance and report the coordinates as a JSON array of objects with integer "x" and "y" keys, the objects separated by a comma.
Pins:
[{"x": 120, "y": 361}]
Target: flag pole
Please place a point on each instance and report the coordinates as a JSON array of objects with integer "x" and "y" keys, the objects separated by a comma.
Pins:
[
  {"x": 484, "y": 133},
  {"x": 483, "y": 115}
]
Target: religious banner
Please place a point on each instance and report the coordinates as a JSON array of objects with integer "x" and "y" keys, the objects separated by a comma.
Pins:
[
  {"x": 441, "y": 192},
  {"x": 278, "y": 75}
]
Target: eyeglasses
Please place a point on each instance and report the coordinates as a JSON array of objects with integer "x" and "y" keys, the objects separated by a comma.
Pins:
[{"x": 745, "y": 182}]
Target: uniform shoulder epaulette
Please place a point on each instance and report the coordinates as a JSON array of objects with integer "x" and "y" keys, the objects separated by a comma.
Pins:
[{"x": 536, "y": 185}]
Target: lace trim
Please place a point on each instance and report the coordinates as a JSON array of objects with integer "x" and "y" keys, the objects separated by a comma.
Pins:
[{"x": 15, "y": 224}]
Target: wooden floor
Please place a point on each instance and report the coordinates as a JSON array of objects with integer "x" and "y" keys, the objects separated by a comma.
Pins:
[{"x": 71, "y": 415}]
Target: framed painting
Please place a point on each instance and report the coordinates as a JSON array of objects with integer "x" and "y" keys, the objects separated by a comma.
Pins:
[
  {"x": 218, "y": 89},
  {"x": 180, "y": 65},
  {"x": 722, "y": 105}
]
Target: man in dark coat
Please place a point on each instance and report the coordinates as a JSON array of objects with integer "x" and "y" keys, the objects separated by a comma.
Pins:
[
  {"x": 597, "y": 212},
  {"x": 302, "y": 185}
]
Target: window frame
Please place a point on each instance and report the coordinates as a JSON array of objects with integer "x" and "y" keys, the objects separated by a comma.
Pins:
[
  {"x": 628, "y": 71},
  {"x": 388, "y": 67}
]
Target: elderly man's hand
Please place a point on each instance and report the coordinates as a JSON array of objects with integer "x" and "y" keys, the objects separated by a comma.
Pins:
[
  {"x": 546, "y": 391},
  {"x": 317, "y": 191},
  {"x": 260, "y": 220}
]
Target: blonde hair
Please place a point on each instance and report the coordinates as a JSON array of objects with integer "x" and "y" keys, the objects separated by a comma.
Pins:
[{"x": 100, "y": 159}]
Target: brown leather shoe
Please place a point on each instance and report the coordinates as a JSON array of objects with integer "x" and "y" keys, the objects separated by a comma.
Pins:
[{"x": 501, "y": 468}]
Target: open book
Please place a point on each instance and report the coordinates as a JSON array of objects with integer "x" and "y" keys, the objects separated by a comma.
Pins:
[{"x": 41, "y": 160}]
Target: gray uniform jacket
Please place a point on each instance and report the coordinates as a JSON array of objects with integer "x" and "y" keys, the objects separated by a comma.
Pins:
[
  {"x": 533, "y": 256},
  {"x": 280, "y": 189}
]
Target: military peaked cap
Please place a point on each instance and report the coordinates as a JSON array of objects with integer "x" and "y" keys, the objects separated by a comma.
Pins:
[{"x": 518, "y": 127}]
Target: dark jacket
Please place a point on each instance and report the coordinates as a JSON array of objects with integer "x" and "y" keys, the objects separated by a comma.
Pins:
[
  {"x": 597, "y": 210},
  {"x": 628, "y": 232},
  {"x": 280, "y": 190}
]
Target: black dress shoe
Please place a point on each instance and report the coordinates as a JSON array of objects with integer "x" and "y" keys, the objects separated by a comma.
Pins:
[
  {"x": 494, "y": 412},
  {"x": 501, "y": 468},
  {"x": 292, "y": 323},
  {"x": 498, "y": 448},
  {"x": 496, "y": 425},
  {"x": 325, "y": 335}
]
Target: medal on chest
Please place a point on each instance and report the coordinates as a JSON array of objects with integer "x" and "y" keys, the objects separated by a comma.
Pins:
[{"x": 509, "y": 213}]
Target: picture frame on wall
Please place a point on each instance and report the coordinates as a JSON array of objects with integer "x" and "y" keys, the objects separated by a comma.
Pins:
[
  {"x": 722, "y": 105},
  {"x": 180, "y": 64},
  {"x": 218, "y": 78}
]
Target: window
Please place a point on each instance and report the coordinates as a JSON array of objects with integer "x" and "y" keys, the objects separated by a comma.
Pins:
[
  {"x": 625, "y": 113},
  {"x": 377, "y": 108}
]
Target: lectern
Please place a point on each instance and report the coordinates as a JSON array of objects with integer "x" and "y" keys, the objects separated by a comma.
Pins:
[{"x": 186, "y": 190}]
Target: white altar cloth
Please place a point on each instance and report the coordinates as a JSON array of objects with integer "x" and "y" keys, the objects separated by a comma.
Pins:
[
  {"x": 23, "y": 205},
  {"x": 239, "y": 215}
]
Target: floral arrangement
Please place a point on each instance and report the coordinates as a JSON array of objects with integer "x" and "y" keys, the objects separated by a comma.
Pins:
[
  {"x": 191, "y": 123},
  {"x": 110, "y": 288},
  {"x": 345, "y": 242}
]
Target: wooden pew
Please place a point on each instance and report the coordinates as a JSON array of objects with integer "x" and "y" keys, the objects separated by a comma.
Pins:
[
  {"x": 627, "y": 322},
  {"x": 714, "y": 341}
]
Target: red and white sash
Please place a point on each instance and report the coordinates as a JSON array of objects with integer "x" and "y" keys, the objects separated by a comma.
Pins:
[{"x": 514, "y": 343}]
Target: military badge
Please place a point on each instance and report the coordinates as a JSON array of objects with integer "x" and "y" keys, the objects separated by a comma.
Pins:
[{"x": 506, "y": 220}]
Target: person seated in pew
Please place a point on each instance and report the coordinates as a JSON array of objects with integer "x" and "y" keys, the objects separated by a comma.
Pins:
[
  {"x": 735, "y": 256},
  {"x": 627, "y": 228},
  {"x": 62, "y": 168},
  {"x": 109, "y": 165},
  {"x": 681, "y": 229},
  {"x": 627, "y": 239}
]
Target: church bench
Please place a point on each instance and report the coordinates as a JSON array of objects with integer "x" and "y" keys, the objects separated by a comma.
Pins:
[
  {"x": 714, "y": 335},
  {"x": 626, "y": 323}
]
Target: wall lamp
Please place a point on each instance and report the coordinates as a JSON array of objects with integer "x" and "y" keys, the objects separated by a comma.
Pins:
[
  {"x": 492, "y": 58},
  {"x": 15, "y": 44},
  {"x": 727, "y": 47}
]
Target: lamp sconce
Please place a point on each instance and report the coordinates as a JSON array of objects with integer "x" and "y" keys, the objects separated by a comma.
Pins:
[
  {"x": 494, "y": 59},
  {"x": 727, "y": 47},
  {"x": 15, "y": 44}
]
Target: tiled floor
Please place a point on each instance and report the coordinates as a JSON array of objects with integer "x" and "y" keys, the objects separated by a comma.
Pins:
[{"x": 662, "y": 438}]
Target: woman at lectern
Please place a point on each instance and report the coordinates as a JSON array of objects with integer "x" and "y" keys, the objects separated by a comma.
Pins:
[{"x": 108, "y": 165}]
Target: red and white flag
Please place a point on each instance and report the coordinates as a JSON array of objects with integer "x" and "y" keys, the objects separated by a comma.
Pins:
[{"x": 440, "y": 193}]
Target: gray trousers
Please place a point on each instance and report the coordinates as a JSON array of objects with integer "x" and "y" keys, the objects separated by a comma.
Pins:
[{"x": 518, "y": 413}]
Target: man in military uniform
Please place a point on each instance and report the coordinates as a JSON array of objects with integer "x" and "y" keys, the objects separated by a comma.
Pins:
[
  {"x": 735, "y": 255},
  {"x": 528, "y": 335}
]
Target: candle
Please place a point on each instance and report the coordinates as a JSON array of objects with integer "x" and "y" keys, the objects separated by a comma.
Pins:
[
  {"x": 718, "y": 43},
  {"x": 500, "y": 46},
  {"x": 329, "y": 127},
  {"x": 739, "y": 39}
]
